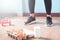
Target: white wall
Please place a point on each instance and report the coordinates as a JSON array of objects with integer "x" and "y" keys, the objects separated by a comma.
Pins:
[{"x": 10, "y": 6}]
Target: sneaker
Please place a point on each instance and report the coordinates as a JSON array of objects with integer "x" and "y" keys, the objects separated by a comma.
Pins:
[
  {"x": 30, "y": 19},
  {"x": 49, "y": 20}
]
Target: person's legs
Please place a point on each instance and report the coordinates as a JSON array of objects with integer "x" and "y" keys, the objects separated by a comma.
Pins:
[
  {"x": 48, "y": 6},
  {"x": 31, "y": 8}
]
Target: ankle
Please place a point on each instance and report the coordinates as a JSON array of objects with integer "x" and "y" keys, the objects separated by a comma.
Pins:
[
  {"x": 49, "y": 16},
  {"x": 33, "y": 15}
]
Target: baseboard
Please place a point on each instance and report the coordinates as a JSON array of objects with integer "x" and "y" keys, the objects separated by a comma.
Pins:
[{"x": 43, "y": 14}]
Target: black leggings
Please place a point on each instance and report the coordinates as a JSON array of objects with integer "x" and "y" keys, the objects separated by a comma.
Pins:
[{"x": 47, "y": 3}]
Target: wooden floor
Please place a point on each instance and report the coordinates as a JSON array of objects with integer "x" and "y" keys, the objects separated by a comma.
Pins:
[{"x": 46, "y": 33}]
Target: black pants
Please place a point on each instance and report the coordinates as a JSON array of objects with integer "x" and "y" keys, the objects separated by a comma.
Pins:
[{"x": 47, "y": 3}]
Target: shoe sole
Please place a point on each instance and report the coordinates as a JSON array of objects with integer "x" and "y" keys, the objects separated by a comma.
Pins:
[
  {"x": 49, "y": 25},
  {"x": 31, "y": 22}
]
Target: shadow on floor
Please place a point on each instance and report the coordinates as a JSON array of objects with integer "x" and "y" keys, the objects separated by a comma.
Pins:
[
  {"x": 54, "y": 24},
  {"x": 41, "y": 38},
  {"x": 45, "y": 38}
]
